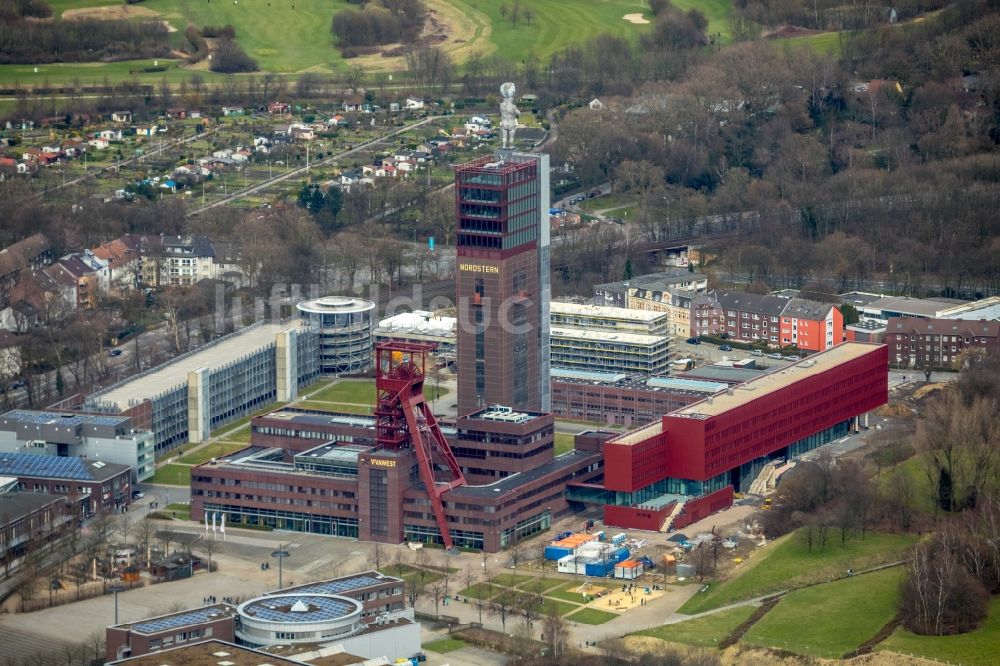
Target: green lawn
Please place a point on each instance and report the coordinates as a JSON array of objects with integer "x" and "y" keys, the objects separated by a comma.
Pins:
[
  {"x": 975, "y": 648},
  {"x": 831, "y": 619},
  {"x": 358, "y": 391},
  {"x": 540, "y": 585},
  {"x": 558, "y": 607},
  {"x": 443, "y": 645},
  {"x": 344, "y": 407},
  {"x": 827, "y": 43},
  {"x": 478, "y": 591},
  {"x": 915, "y": 471},
  {"x": 609, "y": 202},
  {"x": 703, "y": 631},
  {"x": 510, "y": 580},
  {"x": 786, "y": 563},
  {"x": 563, "y": 443},
  {"x": 209, "y": 451},
  {"x": 172, "y": 475},
  {"x": 178, "y": 511},
  {"x": 245, "y": 421},
  {"x": 591, "y": 616}
]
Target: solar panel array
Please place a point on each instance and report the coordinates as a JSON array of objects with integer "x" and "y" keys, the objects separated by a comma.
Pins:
[
  {"x": 196, "y": 616},
  {"x": 338, "y": 586},
  {"x": 62, "y": 418},
  {"x": 50, "y": 467},
  {"x": 278, "y": 609}
]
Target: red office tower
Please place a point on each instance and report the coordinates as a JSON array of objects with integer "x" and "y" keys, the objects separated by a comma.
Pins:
[{"x": 502, "y": 282}]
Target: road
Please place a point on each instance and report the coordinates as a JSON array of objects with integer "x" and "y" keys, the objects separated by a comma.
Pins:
[{"x": 302, "y": 170}]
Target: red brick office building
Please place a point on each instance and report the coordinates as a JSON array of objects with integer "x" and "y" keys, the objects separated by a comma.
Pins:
[{"x": 696, "y": 456}]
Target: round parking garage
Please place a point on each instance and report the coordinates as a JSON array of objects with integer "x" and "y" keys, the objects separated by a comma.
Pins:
[
  {"x": 298, "y": 618},
  {"x": 345, "y": 332}
]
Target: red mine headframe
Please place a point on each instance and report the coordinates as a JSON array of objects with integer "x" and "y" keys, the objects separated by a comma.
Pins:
[{"x": 404, "y": 420}]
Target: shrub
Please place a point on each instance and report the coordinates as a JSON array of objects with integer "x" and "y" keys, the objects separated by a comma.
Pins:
[{"x": 230, "y": 58}]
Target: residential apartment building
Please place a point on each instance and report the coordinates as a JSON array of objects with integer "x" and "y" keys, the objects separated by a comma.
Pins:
[
  {"x": 32, "y": 253},
  {"x": 603, "y": 351},
  {"x": 92, "y": 436},
  {"x": 676, "y": 303},
  {"x": 616, "y": 293},
  {"x": 937, "y": 343},
  {"x": 775, "y": 320},
  {"x": 608, "y": 318}
]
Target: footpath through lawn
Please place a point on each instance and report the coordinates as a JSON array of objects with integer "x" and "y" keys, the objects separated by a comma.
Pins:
[{"x": 787, "y": 563}]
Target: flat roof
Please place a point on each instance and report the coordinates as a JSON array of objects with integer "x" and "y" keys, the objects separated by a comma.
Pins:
[
  {"x": 928, "y": 307},
  {"x": 343, "y": 585},
  {"x": 63, "y": 418},
  {"x": 335, "y": 305},
  {"x": 174, "y": 374},
  {"x": 605, "y": 312},
  {"x": 723, "y": 373},
  {"x": 679, "y": 383},
  {"x": 607, "y": 336},
  {"x": 300, "y": 416},
  {"x": 209, "y": 653},
  {"x": 588, "y": 375},
  {"x": 775, "y": 381},
  {"x": 515, "y": 481}
]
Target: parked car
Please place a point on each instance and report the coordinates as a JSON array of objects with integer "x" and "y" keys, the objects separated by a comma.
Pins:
[
  {"x": 756, "y": 352},
  {"x": 114, "y": 352},
  {"x": 792, "y": 357},
  {"x": 137, "y": 495},
  {"x": 725, "y": 348},
  {"x": 693, "y": 341},
  {"x": 775, "y": 356}
]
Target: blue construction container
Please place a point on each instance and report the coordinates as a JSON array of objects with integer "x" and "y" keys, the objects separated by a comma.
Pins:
[
  {"x": 597, "y": 569},
  {"x": 556, "y": 553},
  {"x": 619, "y": 555},
  {"x": 618, "y": 539}
]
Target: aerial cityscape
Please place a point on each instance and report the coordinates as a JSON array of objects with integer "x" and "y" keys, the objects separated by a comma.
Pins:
[{"x": 538, "y": 332}]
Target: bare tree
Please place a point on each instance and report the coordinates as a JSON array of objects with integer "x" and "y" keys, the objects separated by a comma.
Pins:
[
  {"x": 702, "y": 561},
  {"x": 503, "y": 605},
  {"x": 554, "y": 630},
  {"x": 378, "y": 554},
  {"x": 439, "y": 592},
  {"x": 515, "y": 551},
  {"x": 210, "y": 546}
]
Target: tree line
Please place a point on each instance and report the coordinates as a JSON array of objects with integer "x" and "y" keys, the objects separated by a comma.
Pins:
[{"x": 28, "y": 41}]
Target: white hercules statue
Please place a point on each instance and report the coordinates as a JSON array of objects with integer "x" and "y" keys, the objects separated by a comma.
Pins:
[{"x": 508, "y": 114}]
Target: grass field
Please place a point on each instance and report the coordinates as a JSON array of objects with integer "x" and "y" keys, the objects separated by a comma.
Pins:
[
  {"x": 786, "y": 563},
  {"x": 209, "y": 451},
  {"x": 478, "y": 591},
  {"x": 704, "y": 631},
  {"x": 852, "y": 611},
  {"x": 563, "y": 443},
  {"x": 361, "y": 392},
  {"x": 178, "y": 511},
  {"x": 558, "y": 607},
  {"x": 828, "y": 43},
  {"x": 344, "y": 407},
  {"x": 510, "y": 580},
  {"x": 540, "y": 585},
  {"x": 291, "y": 41},
  {"x": 591, "y": 616},
  {"x": 443, "y": 645},
  {"x": 976, "y": 648},
  {"x": 172, "y": 475}
]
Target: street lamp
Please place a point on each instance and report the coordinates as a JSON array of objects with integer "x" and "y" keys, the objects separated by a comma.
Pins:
[
  {"x": 280, "y": 555},
  {"x": 116, "y": 588}
]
